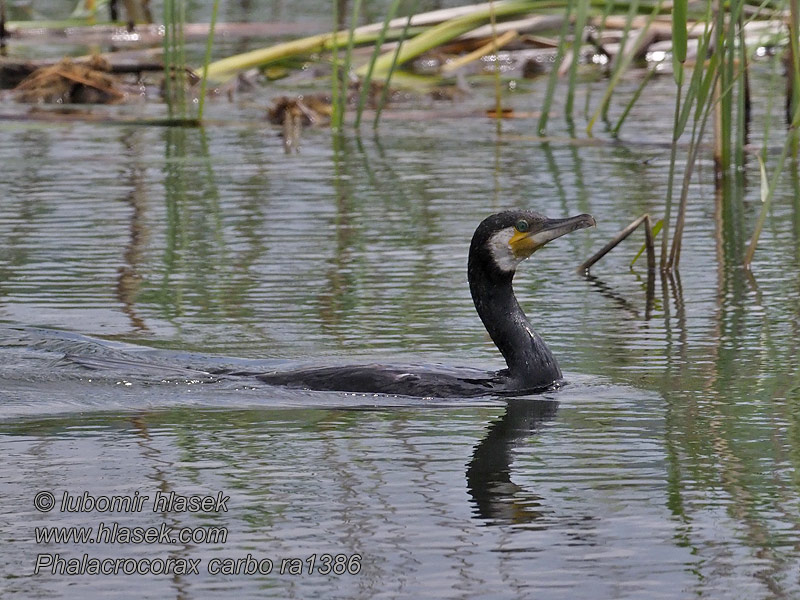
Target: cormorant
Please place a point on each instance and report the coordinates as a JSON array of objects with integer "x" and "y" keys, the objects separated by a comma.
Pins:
[{"x": 499, "y": 244}]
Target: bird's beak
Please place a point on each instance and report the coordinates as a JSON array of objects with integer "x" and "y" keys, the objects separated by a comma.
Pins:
[{"x": 525, "y": 244}]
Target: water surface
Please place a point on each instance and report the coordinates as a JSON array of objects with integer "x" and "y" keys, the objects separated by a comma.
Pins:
[{"x": 665, "y": 468}]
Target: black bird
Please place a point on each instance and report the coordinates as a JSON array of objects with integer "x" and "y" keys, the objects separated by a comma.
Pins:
[{"x": 499, "y": 244}]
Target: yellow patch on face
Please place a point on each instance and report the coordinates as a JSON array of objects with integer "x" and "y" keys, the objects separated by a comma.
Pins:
[{"x": 522, "y": 244}]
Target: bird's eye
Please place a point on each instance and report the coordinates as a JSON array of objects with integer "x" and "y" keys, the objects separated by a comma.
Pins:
[{"x": 522, "y": 226}]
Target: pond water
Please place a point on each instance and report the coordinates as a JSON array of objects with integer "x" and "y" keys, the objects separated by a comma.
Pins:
[{"x": 665, "y": 468}]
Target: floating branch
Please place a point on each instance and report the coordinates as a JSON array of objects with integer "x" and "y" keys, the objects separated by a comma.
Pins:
[
  {"x": 651, "y": 251},
  {"x": 439, "y": 26},
  {"x": 449, "y": 30},
  {"x": 491, "y": 47}
]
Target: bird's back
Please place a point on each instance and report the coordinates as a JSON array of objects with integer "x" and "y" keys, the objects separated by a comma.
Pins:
[{"x": 434, "y": 381}]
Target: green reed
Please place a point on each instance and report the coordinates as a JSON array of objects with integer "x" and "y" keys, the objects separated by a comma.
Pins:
[
  {"x": 175, "y": 80},
  {"x": 711, "y": 91},
  {"x": 207, "y": 59},
  {"x": 366, "y": 81},
  {"x": 340, "y": 79},
  {"x": 392, "y": 67}
]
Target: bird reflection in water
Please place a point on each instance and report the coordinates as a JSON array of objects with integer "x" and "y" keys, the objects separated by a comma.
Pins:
[{"x": 497, "y": 498}]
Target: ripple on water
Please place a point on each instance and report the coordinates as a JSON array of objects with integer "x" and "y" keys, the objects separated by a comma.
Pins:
[{"x": 666, "y": 471}]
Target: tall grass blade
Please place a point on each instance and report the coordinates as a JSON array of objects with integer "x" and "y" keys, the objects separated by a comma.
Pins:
[
  {"x": 767, "y": 192},
  {"x": 670, "y": 181},
  {"x": 679, "y": 38},
  {"x": 207, "y": 59},
  {"x": 336, "y": 92},
  {"x": 679, "y": 58},
  {"x": 706, "y": 88},
  {"x": 718, "y": 151},
  {"x": 773, "y": 84},
  {"x": 633, "y": 9},
  {"x": 392, "y": 67},
  {"x": 498, "y": 94},
  {"x": 168, "y": 58},
  {"x": 624, "y": 60},
  {"x": 645, "y": 80},
  {"x": 366, "y": 82},
  {"x": 727, "y": 45},
  {"x": 182, "y": 80},
  {"x": 793, "y": 70},
  {"x": 694, "y": 146},
  {"x": 742, "y": 99},
  {"x": 175, "y": 58},
  {"x": 695, "y": 97},
  {"x": 654, "y": 232},
  {"x": 697, "y": 92},
  {"x": 341, "y": 71},
  {"x": 174, "y": 69},
  {"x": 790, "y": 143},
  {"x": 552, "y": 79},
  {"x": 175, "y": 79},
  {"x": 617, "y": 62},
  {"x": 577, "y": 43},
  {"x": 607, "y": 10}
]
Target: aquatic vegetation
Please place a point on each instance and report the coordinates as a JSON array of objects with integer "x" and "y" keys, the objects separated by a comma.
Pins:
[
  {"x": 707, "y": 48},
  {"x": 207, "y": 59},
  {"x": 68, "y": 82}
]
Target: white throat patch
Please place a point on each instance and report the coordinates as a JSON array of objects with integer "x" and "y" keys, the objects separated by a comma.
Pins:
[{"x": 501, "y": 251}]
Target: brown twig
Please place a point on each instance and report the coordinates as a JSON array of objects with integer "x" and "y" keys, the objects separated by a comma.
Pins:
[{"x": 649, "y": 244}]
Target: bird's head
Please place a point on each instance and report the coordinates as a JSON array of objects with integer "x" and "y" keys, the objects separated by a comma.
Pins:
[{"x": 512, "y": 236}]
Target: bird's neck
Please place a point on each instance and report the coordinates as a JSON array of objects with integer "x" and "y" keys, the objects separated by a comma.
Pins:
[{"x": 530, "y": 362}]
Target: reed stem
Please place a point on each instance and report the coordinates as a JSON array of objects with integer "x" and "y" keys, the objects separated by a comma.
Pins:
[{"x": 207, "y": 59}]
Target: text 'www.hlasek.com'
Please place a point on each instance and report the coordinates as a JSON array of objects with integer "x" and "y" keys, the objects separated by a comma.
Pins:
[{"x": 108, "y": 532}]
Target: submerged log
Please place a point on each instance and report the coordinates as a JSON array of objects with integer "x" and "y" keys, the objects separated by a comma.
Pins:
[{"x": 13, "y": 72}]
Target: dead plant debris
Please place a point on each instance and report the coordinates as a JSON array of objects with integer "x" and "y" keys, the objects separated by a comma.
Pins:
[{"x": 68, "y": 82}]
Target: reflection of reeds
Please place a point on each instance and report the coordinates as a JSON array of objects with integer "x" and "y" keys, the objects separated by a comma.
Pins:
[{"x": 709, "y": 60}]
